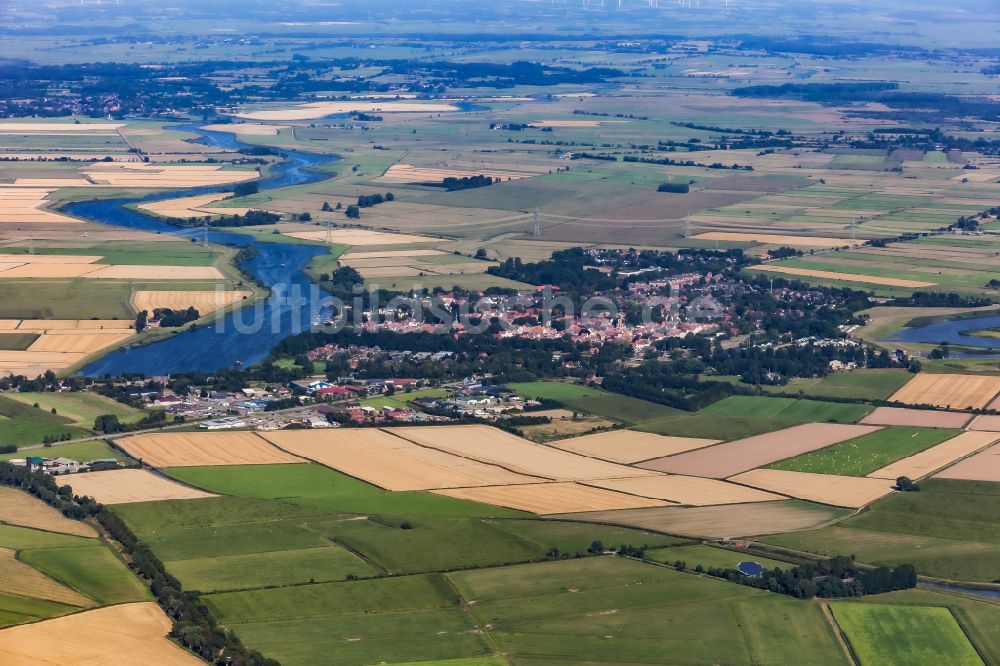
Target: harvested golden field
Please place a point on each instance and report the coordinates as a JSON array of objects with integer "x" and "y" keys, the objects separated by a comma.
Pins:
[
  {"x": 778, "y": 239},
  {"x": 388, "y": 254},
  {"x": 59, "y": 128},
  {"x": 73, "y": 324},
  {"x": 849, "y": 491},
  {"x": 18, "y": 578},
  {"x": 407, "y": 173},
  {"x": 548, "y": 498},
  {"x": 133, "y": 634},
  {"x": 19, "y": 508},
  {"x": 690, "y": 490},
  {"x": 982, "y": 466},
  {"x": 34, "y": 363},
  {"x": 49, "y": 258},
  {"x": 195, "y": 449},
  {"x": 79, "y": 342},
  {"x": 991, "y": 423},
  {"x": 315, "y": 110},
  {"x": 121, "y": 486},
  {"x": 199, "y": 205},
  {"x": 253, "y": 129},
  {"x": 121, "y": 174},
  {"x": 920, "y": 418},
  {"x": 390, "y": 462},
  {"x": 202, "y": 301},
  {"x": 932, "y": 459},
  {"x": 26, "y": 270},
  {"x": 847, "y": 277},
  {"x": 724, "y": 460},
  {"x": 26, "y": 205},
  {"x": 956, "y": 391},
  {"x": 361, "y": 237},
  {"x": 127, "y": 272},
  {"x": 630, "y": 446},
  {"x": 724, "y": 521},
  {"x": 568, "y": 123},
  {"x": 495, "y": 446}
]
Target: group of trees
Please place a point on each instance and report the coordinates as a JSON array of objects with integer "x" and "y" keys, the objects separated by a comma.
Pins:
[
  {"x": 453, "y": 184},
  {"x": 369, "y": 200},
  {"x": 166, "y": 317},
  {"x": 829, "y": 579},
  {"x": 666, "y": 161},
  {"x": 675, "y": 188},
  {"x": 248, "y": 219}
]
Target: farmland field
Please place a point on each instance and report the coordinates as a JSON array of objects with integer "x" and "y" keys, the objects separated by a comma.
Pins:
[
  {"x": 858, "y": 457},
  {"x": 909, "y": 634}
]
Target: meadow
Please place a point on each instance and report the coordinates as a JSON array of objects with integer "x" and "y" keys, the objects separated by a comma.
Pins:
[
  {"x": 858, "y": 457},
  {"x": 915, "y": 635}
]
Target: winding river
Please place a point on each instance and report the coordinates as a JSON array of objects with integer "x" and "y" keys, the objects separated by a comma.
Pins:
[{"x": 244, "y": 336}]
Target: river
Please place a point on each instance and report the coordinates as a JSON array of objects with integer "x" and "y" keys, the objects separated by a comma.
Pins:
[
  {"x": 241, "y": 337},
  {"x": 951, "y": 331}
]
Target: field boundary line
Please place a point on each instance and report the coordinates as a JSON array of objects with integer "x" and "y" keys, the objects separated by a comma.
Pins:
[
  {"x": 967, "y": 634},
  {"x": 469, "y": 611},
  {"x": 842, "y": 639}
]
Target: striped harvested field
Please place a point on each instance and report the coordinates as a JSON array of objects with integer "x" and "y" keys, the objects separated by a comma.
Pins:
[
  {"x": 846, "y": 277},
  {"x": 918, "y": 418},
  {"x": 690, "y": 490},
  {"x": 630, "y": 446},
  {"x": 932, "y": 459},
  {"x": 548, "y": 498},
  {"x": 848, "y": 491},
  {"x": 725, "y": 460},
  {"x": 135, "y": 634},
  {"x": 390, "y": 462},
  {"x": 196, "y": 449},
  {"x": 17, "y": 507},
  {"x": 202, "y": 301},
  {"x": 982, "y": 466},
  {"x": 778, "y": 239},
  {"x": 121, "y": 486},
  {"x": 956, "y": 391},
  {"x": 18, "y": 578}
]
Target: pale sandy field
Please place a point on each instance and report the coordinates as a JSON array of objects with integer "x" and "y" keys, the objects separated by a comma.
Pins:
[
  {"x": 315, "y": 110},
  {"x": 129, "y": 272},
  {"x": 849, "y": 491},
  {"x": 49, "y": 258},
  {"x": 548, "y": 498},
  {"x": 25, "y": 205},
  {"x": 121, "y": 486},
  {"x": 407, "y": 173},
  {"x": 130, "y": 174},
  {"x": 991, "y": 423},
  {"x": 847, "y": 277},
  {"x": 200, "y": 205},
  {"x": 690, "y": 490},
  {"x": 495, "y": 446},
  {"x": 932, "y": 459},
  {"x": 254, "y": 129},
  {"x": 202, "y": 301},
  {"x": 389, "y": 254},
  {"x": 361, "y": 237},
  {"x": 567, "y": 123},
  {"x": 918, "y": 418},
  {"x": 195, "y": 449},
  {"x": 69, "y": 324},
  {"x": 957, "y": 391},
  {"x": 983, "y": 466},
  {"x": 724, "y": 521},
  {"x": 18, "y": 578},
  {"x": 59, "y": 128},
  {"x": 133, "y": 634},
  {"x": 778, "y": 239},
  {"x": 390, "y": 462},
  {"x": 630, "y": 446},
  {"x": 17, "y": 507},
  {"x": 724, "y": 460},
  {"x": 79, "y": 342}
]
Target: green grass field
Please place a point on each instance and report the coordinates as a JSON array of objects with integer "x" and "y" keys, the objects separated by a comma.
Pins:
[
  {"x": 913, "y": 635},
  {"x": 18, "y": 610},
  {"x": 594, "y": 401},
  {"x": 951, "y": 529},
  {"x": 22, "y": 424},
  {"x": 709, "y": 556},
  {"x": 91, "y": 570},
  {"x": 81, "y": 408},
  {"x": 614, "y": 610},
  {"x": 85, "y": 451},
  {"x": 864, "y": 384},
  {"x": 17, "y": 341},
  {"x": 788, "y": 409},
  {"x": 863, "y": 455}
]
